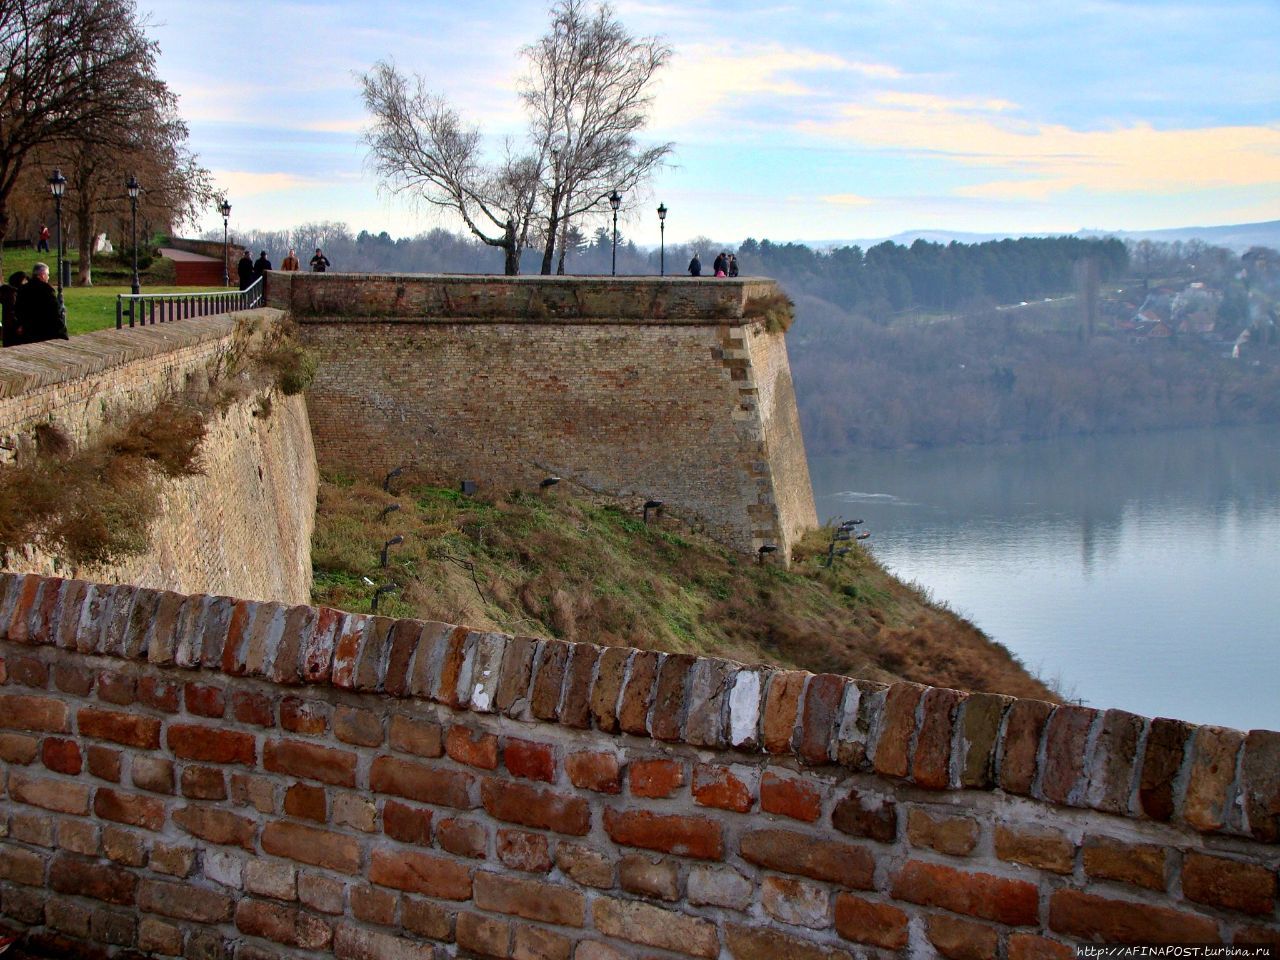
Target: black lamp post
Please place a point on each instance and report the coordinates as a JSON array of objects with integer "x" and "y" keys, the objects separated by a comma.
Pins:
[
  {"x": 226, "y": 215},
  {"x": 615, "y": 201},
  {"x": 662, "y": 230},
  {"x": 133, "y": 187},
  {"x": 57, "y": 184}
]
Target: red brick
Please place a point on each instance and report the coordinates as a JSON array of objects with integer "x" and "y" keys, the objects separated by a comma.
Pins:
[
  {"x": 1024, "y": 724},
  {"x": 1260, "y": 784},
  {"x": 820, "y": 716},
  {"x": 652, "y": 926},
  {"x": 110, "y": 884},
  {"x": 956, "y": 836},
  {"x": 287, "y": 925},
  {"x": 129, "y": 729},
  {"x": 1229, "y": 884},
  {"x": 715, "y": 786},
  {"x": 204, "y": 783},
  {"x": 255, "y": 709},
  {"x": 898, "y": 724},
  {"x": 781, "y": 709},
  {"x": 28, "y": 672},
  {"x": 423, "y": 917},
  {"x": 865, "y": 816},
  {"x": 320, "y": 848},
  {"x": 637, "y": 693},
  {"x": 1161, "y": 761},
  {"x": 463, "y": 838},
  {"x": 421, "y": 873},
  {"x": 931, "y": 762},
  {"x": 298, "y": 758},
  {"x": 211, "y": 744},
  {"x": 575, "y": 706},
  {"x": 1025, "y": 946},
  {"x": 532, "y": 761},
  {"x": 759, "y": 943},
  {"x": 537, "y": 943},
  {"x": 78, "y": 836},
  {"x": 1095, "y": 918},
  {"x": 73, "y": 679},
  {"x": 606, "y": 690},
  {"x": 153, "y": 773},
  {"x": 1213, "y": 767},
  {"x": 183, "y": 901},
  {"x": 117, "y": 688},
  {"x": 360, "y": 727},
  {"x": 61, "y": 755},
  {"x": 1065, "y": 740},
  {"x": 1040, "y": 847},
  {"x": 475, "y": 748},
  {"x": 204, "y": 700},
  {"x": 255, "y": 791},
  {"x": 584, "y": 866},
  {"x": 531, "y": 899},
  {"x": 977, "y": 894},
  {"x": 34, "y": 713},
  {"x": 655, "y": 778},
  {"x": 158, "y": 694},
  {"x": 18, "y": 748},
  {"x": 959, "y": 939},
  {"x": 599, "y": 772},
  {"x": 534, "y": 807},
  {"x": 668, "y": 700},
  {"x": 544, "y": 698},
  {"x": 21, "y": 866},
  {"x": 877, "y": 924},
  {"x": 514, "y": 675},
  {"x": 373, "y": 905},
  {"x": 105, "y": 763},
  {"x": 216, "y": 826},
  {"x": 483, "y": 936},
  {"x": 805, "y": 856},
  {"x": 406, "y": 824},
  {"x": 525, "y": 851},
  {"x": 306, "y": 802},
  {"x": 304, "y": 716},
  {"x": 654, "y": 878},
  {"x": 413, "y": 781},
  {"x": 419, "y": 737},
  {"x": 60, "y": 796},
  {"x": 687, "y": 836},
  {"x": 1138, "y": 863},
  {"x": 130, "y": 808},
  {"x": 790, "y": 797}
]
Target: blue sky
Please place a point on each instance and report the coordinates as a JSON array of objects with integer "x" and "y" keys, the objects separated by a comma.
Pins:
[{"x": 791, "y": 120}]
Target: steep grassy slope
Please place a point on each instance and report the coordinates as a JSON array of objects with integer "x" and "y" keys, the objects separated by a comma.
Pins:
[{"x": 556, "y": 566}]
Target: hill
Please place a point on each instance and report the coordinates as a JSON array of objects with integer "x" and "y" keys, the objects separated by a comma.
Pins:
[{"x": 570, "y": 568}]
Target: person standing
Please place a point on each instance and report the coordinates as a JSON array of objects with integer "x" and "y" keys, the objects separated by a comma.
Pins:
[
  {"x": 261, "y": 265},
  {"x": 721, "y": 265},
  {"x": 319, "y": 263},
  {"x": 42, "y": 244},
  {"x": 10, "y": 332},
  {"x": 244, "y": 270},
  {"x": 39, "y": 318},
  {"x": 733, "y": 264},
  {"x": 290, "y": 263},
  {"x": 695, "y": 266}
]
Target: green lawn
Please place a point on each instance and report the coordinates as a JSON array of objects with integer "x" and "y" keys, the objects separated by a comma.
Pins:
[{"x": 94, "y": 308}]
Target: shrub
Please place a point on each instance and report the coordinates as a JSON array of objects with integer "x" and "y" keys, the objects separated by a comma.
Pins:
[{"x": 776, "y": 310}]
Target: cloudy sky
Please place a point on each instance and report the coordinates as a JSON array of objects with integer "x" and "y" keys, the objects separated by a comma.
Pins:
[{"x": 793, "y": 121}]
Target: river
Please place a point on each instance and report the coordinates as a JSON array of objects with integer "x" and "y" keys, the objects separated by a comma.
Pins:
[{"x": 1140, "y": 572}]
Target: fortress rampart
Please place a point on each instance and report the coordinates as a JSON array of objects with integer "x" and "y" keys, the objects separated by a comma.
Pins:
[
  {"x": 205, "y": 777},
  {"x": 636, "y": 388}
]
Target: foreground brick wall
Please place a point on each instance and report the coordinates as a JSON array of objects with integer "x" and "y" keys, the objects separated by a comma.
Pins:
[
  {"x": 244, "y": 526},
  {"x": 635, "y": 388},
  {"x": 205, "y": 777}
]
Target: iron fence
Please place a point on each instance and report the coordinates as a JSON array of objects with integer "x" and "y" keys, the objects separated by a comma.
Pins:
[{"x": 143, "y": 308}]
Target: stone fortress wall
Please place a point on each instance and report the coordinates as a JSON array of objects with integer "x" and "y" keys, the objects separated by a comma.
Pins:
[
  {"x": 205, "y": 777},
  {"x": 637, "y": 388}
]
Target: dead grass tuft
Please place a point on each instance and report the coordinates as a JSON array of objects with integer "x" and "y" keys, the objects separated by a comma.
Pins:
[{"x": 777, "y": 310}]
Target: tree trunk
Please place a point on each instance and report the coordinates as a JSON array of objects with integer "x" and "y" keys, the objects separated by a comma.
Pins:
[
  {"x": 4, "y": 233},
  {"x": 84, "y": 232},
  {"x": 512, "y": 261}
]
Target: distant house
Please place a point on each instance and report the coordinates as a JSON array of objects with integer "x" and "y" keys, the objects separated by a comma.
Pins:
[{"x": 1159, "y": 331}]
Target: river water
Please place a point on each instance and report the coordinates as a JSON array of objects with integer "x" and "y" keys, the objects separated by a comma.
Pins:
[{"x": 1140, "y": 572}]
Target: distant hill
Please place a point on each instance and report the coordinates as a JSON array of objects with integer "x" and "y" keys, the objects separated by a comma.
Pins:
[{"x": 1238, "y": 237}]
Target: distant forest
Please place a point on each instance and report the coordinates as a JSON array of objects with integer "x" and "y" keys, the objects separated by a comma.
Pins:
[{"x": 933, "y": 344}]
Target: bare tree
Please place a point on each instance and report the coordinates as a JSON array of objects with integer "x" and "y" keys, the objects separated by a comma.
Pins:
[
  {"x": 66, "y": 67},
  {"x": 588, "y": 97}
]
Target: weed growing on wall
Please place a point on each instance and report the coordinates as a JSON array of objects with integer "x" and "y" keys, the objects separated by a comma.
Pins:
[{"x": 776, "y": 310}]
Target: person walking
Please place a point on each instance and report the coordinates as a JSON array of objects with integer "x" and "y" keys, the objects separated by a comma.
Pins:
[
  {"x": 695, "y": 266},
  {"x": 42, "y": 244},
  {"x": 319, "y": 263},
  {"x": 290, "y": 263},
  {"x": 244, "y": 270},
  {"x": 261, "y": 265},
  {"x": 733, "y": 264},
  {"x": 10, "y": 332},
  {"x": 39, "y": 318}
]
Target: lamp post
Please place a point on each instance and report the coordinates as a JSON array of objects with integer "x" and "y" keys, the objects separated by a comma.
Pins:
[
  {"x": 57, "y": 184},
  {"x": 615, "y": 201},
  {"x": 133, "y": 187},
  {"x": 226, "y": 215},
  {"x": 662, "y": 230}
]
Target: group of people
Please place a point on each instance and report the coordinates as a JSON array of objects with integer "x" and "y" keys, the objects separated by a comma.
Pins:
[
  {"x": 725, "y": 265},
  {"x": 29, "y": 309},
  {"x": 249, "y": 270}
]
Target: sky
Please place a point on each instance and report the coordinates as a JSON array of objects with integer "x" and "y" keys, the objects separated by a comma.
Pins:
[{"x": 791, "y": 121}]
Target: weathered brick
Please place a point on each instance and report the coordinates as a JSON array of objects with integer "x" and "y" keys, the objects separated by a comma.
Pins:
[
  {"x": 719, "y": 887},
  {"x": 1229, "y": 884},
  {"x": 18, "y": 748},
  {"x": 533, "y": 807},
  {"x": 651, "y": 926},
  {"x": 110, "y": 884},
  {"x": 105, "y": 763},
  {"x": 1213, "y": 767},
  {"x": 216, "y": 826},
  {"x": 687, "y": 836},
  {"x": 360, "y": 727},
  {"x": 21, "y": 866},
  {"x": 863, "y": 815},
  {"x": 1106, "y": 858},
  {"x": 524, "y": 851},
  {"x": 419, "y": 737},
  {"x": 131, "y": 808},
  {"x": 716, "y": 786},
  {"x": 977, "y": 894},
  {"x": 420, "y": 873},
  {"x": 575, "y": 702},
  {"x": 425, "y": 918},
  {"x": 537, "y": 943},
  {"x": 782, "y": 709},
  {"x": 28, "y": 672},
  {"x": 649, "y": 877},
  {"x": 414, "y": 781},
  {"x": 531, "y": 899},
  {"x": 255, "y": 709},
  {"x": 939, "y": 831},
  {"x": 307, "y": 802},
  {"x": 819, "y": 717},
  {"x": 463, "y": 838},
  {"x": 599, "y": 772},
  {"x": 68, "y": 917},
  {"x": 760, "y": 943},
  {"x": 204, "y": 783},
  {"x": 666, "y": 720},
  {"x": 483, "y": 936},
  {"x": 790, "y": 797},
  {"x": 117, "y": 688},
  {"x": 1024, "y": 724},
  {"x": 1040, "y": 847},
  {"x": 156, "y": 936},
  {"x": 475, "y": 748},
  {"x": 1026, "y": 946},
  {"x": 320, "y": 848},
  {"x": 354, "y": 811},
  {"x": 32, "y": 828},
  {"x": 548, "y": 678},
  {"x": 372, "y": 905},
  {"x": 655, "y": 779},
  {"x": 892, "y": 756},
  {"x": 184, "y": 901},
  {"x": 746, "y": 707},
  {"x": 319, "y": 893},
  {"x": 402, "y": 644},
  {"x": 532, "y": 761},
  {"x": 79, "y": 836},
  {"x": 931, "y": 762},
  {"x": 211, "y": 744},
  {"x": 60, "y": 796},
  {"x": 979, "y": 721},
  {"x": 1113, "y": 761},
  {"x": 606, "y": 691},
  {"x": 795, "y": 902},
  {"x": 159, "y": 694},
  {"x": 1066, "y": 737},
  {"x": 1091, "y": 917},
  {"x": 512, "y": 696},
  {"x": 706, "y": 699},
  {"x": 61, "y": 756},
  {"x": 310, "y": 761},
  {"x": 638, "y": 693},
  {"x": 354, "y": 943},
  {"x": 287, "y": 925},
  {"x": 406, "y": 824},
  {"x": 204, "y": 700},
  {"x": 73, "y": 678},
  {"x": 304, "y": 716},
  {"x": 19, "y": 712},
  {"x": 452, "y": 663},
  {"x": 584, "y": 865},
  {"x": 959, "y": 939},
  {"x": 249, "y": 790},
  {"x": 175, "y": 860},
  {"x": 805, "y": 856},
  {"x": 1260, "y": 784},
  {"x": 864, "y": 921},
  {"x": 270, "y": 878},
  {"x": 315, "y": 659}
]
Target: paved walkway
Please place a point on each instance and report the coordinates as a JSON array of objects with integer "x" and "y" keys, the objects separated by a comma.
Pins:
[{"x": 183, "y": 255}]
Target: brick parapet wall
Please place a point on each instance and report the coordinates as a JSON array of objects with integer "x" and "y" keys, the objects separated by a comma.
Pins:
[{"x": 208, "y": 777}]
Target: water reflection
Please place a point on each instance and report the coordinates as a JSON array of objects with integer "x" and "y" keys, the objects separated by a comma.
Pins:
[{"x": 1137, "y": 571}]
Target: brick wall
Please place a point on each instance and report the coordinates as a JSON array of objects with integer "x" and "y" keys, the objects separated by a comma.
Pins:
[
  {"x": 205, "y": 777},
  {"x": 244, "y": 526},
  {"x": 635, "y": 388}
]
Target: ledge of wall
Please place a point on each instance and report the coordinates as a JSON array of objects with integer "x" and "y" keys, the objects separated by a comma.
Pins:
[{"x": 273, "y": 780}]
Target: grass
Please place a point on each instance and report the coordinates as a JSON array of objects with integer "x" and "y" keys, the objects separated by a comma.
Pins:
[
  {"x": 94, "y": 308},
  {"x": 587, "y": 571}
]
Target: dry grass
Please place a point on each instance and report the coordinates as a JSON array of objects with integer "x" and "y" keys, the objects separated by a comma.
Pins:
[
  {"x": 777, "y": 310},
  {"x": 560, "y": 567}
]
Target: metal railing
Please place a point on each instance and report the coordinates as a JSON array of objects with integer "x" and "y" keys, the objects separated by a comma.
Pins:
[{"x": 142, "y": 308}]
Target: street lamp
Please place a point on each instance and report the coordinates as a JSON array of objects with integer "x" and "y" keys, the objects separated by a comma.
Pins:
[
  {"x": 57, "y": 184},
  {"x": 615, "y": 201},
  {"x": 226, "y": 215},
  {"x": 133, "y": 187},
  {"x": 662, "y": 229}
]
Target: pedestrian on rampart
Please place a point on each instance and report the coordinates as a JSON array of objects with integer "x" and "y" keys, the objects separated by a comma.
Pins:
[
  {"x": 9, "y": 308},
  {"x": 695, "y": 266},
  {"x": 39, "y": 317},
  {"x": 261, "y": 265},
  {"x": 290, "y": 263},
  {"x": 721, "y": 265},
  {"x": 319, "y": 263},
  {"x": 733, "y": 265},
  {"x": 244, "y": 269}
]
